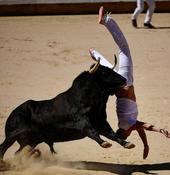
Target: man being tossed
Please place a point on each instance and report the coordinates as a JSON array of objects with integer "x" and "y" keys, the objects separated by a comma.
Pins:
[{"x": 126, "y": 106}]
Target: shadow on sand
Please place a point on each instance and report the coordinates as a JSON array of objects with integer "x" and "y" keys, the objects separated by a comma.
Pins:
[
  {"x": 120, "y": 169},
  {"x": 154, "y": 28}
]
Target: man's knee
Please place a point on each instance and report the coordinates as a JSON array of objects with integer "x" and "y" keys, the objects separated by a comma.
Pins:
[
  {"x": 140, "y": 9},
  {"x": 151, "y": 5}
]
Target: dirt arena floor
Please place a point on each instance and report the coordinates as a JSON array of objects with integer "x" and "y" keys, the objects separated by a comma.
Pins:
[{"x": 39, "y": 58}]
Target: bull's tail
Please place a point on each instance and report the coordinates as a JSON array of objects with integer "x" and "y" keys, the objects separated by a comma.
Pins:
[
  {"x": 4, "y": 146},
  {"x": 8, "y": 142}
]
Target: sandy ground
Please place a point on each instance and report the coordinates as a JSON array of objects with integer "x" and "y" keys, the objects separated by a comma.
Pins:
[{"x": 39, "y": 58}]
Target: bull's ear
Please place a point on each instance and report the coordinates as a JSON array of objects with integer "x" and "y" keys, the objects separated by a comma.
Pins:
[
  {"x": 115, "y": 62},
  {"x": 95, "y": 67}
]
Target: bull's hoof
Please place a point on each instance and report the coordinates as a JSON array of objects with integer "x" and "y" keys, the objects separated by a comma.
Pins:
[
  {"x": 29, "y": 152},
  {"x": 26, "y": 151},
  {"x": 35, "y": 153},
  {"x": 129, "y": 145},
  {"x": 106, "y": 144}
]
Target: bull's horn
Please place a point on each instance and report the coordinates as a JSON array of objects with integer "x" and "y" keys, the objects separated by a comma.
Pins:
[
  {"x": 115, "y": 63},
  {"x": 95, "y": 67}
]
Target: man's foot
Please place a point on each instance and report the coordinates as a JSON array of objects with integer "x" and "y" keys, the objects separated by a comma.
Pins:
[
  {"x": 134, "y": 23},
  {"x": 148, "y": 26},
  {"x": 91, "y": 50},
  {"x": 96, "y": 56},
  {"x": 101, "y": 14}
]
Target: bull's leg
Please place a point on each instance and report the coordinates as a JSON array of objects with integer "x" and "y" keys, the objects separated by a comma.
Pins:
[
  {"x": 11, "y": 137},
  {"x": 107, "y": 131},
  {"x": 20, "y": 148},
  {"x": 50, "y": 144},
  {"x": 113, "y": 136},
  {"x": 27, "y": 138},
  {"x": 93, "y": 134},
  {"x": 29, "y": 151}
]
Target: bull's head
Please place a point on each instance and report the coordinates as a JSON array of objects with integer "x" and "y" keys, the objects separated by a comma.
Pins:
[{"x": 106, "y": 77}]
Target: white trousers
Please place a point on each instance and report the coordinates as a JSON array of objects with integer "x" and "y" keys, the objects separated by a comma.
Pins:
[
  {"x": 125, "y": 67},
  {"x": 140, "y": 8},
  {"x": 126, "y": 109}
]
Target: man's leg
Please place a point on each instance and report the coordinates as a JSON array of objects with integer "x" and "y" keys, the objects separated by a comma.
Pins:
[
  {"x": 103, "y": 61},
  {"x": 138, "y": 10},
  {"x": 125, "y": 61},
  {"x": 149, "y": 14}
]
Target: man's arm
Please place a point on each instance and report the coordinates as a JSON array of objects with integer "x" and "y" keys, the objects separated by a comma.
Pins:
[
  {"x": 150, "y": 127},
  {"x": 143, "y": 137}
]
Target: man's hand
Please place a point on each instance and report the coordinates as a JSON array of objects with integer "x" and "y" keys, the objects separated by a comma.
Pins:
[
  {"x": 145, "y": 151},
  {"x": 165, "y": 133}
]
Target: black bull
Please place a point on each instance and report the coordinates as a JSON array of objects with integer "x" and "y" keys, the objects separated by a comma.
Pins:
[{"x": 74, "y": 114}]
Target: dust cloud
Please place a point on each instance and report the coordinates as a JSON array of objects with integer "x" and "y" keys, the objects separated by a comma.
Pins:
[{"x": 33, "y": 163}]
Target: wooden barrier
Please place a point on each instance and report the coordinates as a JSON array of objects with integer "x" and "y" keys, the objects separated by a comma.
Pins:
[{"x": 75, "y": 8}]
